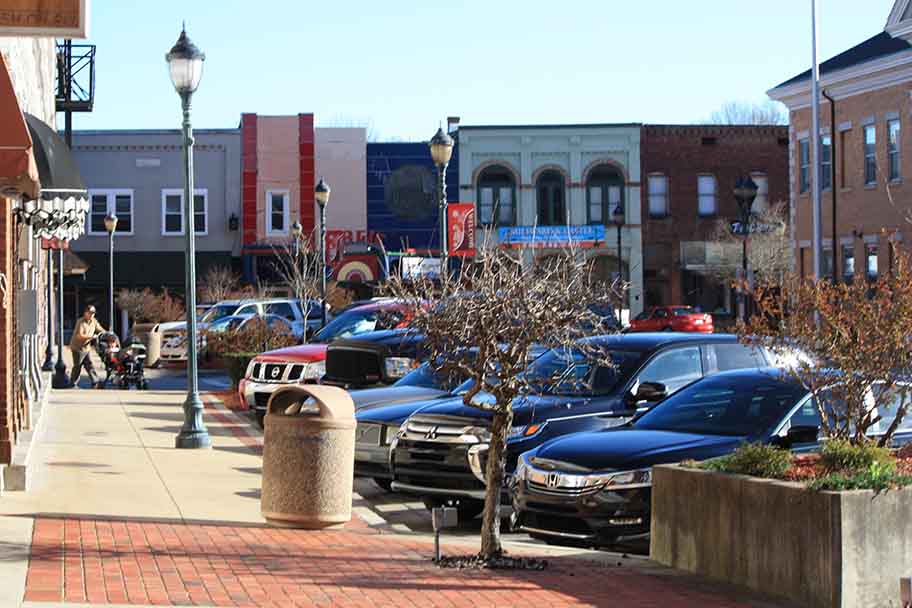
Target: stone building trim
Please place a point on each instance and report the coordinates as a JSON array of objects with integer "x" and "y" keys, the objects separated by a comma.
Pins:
[
  {"x": 494, "y": 162},
  {"x": 568, "y": 183},
  {"x": 625, "y": 174}
]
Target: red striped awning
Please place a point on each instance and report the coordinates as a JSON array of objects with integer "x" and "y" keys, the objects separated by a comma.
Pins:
[{"x": 18, "y": 171}]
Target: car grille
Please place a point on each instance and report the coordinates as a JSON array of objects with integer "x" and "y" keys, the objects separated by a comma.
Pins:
[
  {"x": 261, "y": 400},
  {"x": 432, "y": 453},
  {"x": 354, "y": 365},
  {"x": 280, "y": 373}
]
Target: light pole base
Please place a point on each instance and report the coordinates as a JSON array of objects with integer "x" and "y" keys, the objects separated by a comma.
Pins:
[
  {"x": 48, "y": 365},
  {"x": 61, "y": 379},
  {"x": 193, "y": 435}
]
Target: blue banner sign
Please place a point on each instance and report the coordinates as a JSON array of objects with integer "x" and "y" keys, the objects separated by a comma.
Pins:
[{"x": 551, "y": 236}]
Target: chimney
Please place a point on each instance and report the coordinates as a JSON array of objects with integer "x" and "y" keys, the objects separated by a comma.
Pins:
[{"x": 452, "y": 124}]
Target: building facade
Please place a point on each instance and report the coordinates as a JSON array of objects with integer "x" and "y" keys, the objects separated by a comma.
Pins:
[
  {"x": 689, "y": 174},
  {"x": 561, "y": 182},
  {"x": 865, "y": 158},
  {"x": 138, "y": 176}
]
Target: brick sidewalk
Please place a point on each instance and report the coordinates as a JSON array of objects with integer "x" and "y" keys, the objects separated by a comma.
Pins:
[{"x": 116, "y": 562}]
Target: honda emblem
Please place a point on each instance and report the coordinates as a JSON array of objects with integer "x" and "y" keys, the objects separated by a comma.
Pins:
[
  {"x": 431, "y": 433},
  {"x": 553, "y": 479}
]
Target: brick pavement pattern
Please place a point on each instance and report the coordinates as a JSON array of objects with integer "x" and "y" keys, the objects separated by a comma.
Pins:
[{"x": 125, "y": 562}]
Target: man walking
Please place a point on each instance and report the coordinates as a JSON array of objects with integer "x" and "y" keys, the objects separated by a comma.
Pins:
[{"x": 87, "y": 327}]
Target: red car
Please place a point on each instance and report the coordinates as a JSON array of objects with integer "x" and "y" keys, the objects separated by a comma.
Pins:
[{"x": 672, "y": 318}]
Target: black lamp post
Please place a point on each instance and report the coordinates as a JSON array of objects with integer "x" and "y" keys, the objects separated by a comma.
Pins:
[
  {"x": 185, "y": 63},
  {"x": 441, "y": 146},
  {"x": 110, "y": 222},
  {"x": 617, "y": 217},
  {"x": 321, "y": 194},
  {"x": 49, "y": 351},
  {"x": 745, "y": 193},
  {"x": 61, "y": 379}
]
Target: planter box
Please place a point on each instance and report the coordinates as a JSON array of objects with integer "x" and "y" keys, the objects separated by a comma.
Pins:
[{"x": 820, "y": 549}]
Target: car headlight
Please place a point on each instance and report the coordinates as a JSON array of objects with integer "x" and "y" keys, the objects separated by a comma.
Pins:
[
  {"x": 609, "y": 481},
  {"x": 522, "y": 467},
  {"x": 314, "y": 371},
  {"x": 249, "y": 372},
  {"x": 397, "y": 367},
  {"x": 524, "y": 431},
  {"x": 387, "y": 434}
]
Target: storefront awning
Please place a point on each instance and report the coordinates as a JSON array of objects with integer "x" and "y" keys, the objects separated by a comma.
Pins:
[
  {"x": 18, "y": 171},
  {"x": 60, "y": 209}
]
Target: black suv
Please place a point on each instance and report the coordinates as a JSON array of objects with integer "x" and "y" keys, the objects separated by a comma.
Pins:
[
  {"x": 439, "y": 453},
  {"x": 377, "y": 358}
]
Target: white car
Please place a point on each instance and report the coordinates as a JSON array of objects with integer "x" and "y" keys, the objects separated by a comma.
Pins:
[{"x": 174, "y": 335}]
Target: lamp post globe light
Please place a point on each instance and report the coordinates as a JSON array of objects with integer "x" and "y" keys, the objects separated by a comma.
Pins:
[
  {"x": 110, "y": 223},
  {"x": 745, "y": 193},
  {"x": 185, "y": 64},
  {"x": 321, "y": 194},
  {"x": 441, "y": 146},
  {"x": 617, "y": 218}
]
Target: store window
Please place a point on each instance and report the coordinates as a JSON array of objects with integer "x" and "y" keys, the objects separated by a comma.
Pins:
[{"x": 496, "y": 197}]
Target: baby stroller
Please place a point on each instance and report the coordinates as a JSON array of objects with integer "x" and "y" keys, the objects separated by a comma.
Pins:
[{"x": 123, "y": 365}]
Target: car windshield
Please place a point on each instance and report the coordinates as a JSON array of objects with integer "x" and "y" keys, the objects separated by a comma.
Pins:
[
  {"x": 730, "y": 406},
  {"x": 226, "y": 323},
  {"x": 571, "y": 372},
  {"x": 355, "y": 322},
  {"x": 219, "y": 311},
  {"x": 683, "y": 311},
  {"x": 425, "y": 376}
]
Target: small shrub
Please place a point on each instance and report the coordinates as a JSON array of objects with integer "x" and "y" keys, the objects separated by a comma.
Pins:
[
  {"x": 755, "y": 459},
  {"x": 256, "y": 337},
  {"x": 840, "y": 456},
  {"x": 236, "y": 366},
  {"x": 878, "y": 476}
]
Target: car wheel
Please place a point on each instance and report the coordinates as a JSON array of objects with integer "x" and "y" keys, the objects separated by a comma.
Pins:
[
  {"x": 385, "y": 484},
  {"x": 261, "y": 419}
]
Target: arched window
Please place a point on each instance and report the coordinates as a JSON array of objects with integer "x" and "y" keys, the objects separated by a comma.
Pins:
[
  {"x": 496, "y": 197},
  {"x": 604, "y": 192},
  {"x": 552, "y": 205}
]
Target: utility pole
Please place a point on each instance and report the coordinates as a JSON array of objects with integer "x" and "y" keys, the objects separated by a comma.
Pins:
[{"x": 815, "y": 145}]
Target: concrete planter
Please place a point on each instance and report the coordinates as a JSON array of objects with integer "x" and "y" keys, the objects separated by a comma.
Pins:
[{"x": 819, "y": 549}]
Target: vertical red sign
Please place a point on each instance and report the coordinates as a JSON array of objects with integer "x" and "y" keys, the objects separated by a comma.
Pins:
[{"x": 461, "y": 229}]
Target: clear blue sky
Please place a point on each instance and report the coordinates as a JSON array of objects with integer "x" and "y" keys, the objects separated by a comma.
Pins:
[{"x": 404, "y": 65}]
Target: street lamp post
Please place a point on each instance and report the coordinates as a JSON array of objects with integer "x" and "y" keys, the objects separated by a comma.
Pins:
[
  {"x": 745, "y": 193},
  {"x": 49, "y": 351},
  {"x": 441, "y": 151},
  {"x": 110, "y": 222},
  {"x": 321, "y": 194},
  {"x": 185, "y": 63},
  {"x": 61, "y": 379},
  {"x": 617, "y": 216}
]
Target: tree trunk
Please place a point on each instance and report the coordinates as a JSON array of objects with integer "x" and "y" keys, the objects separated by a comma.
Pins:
[{"x": 494, "y": 477}]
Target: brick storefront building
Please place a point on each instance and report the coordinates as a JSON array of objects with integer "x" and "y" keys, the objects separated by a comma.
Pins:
[
  {"x": 688, "y": 174},
  {"x": 865, "y": 157}
]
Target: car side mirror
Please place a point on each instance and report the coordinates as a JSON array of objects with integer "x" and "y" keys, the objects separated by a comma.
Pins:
[
  {"x": 651, "y": 392},
  {"x": 798, "y": 434}
]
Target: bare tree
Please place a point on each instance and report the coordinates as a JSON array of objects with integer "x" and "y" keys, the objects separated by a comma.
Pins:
[
  {"x": 769, "y": 250},
  {"x": 482, "y": 322},
  {"x": 298, "y": 266},
  {"x": 747, "y": 113},
  {"x": 147, "y": 306},
  {"x": 219, "y": 283}
]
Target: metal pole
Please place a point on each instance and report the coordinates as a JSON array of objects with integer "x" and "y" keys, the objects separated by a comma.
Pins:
[
  {"x": 815, "y": 145},
  {"x": 49, "y": 351},
  {"x": 744, "y": 277},
  {"x": 61, "y": 380},
  {"x": 322, "y": 266},
  {"x": 834, "y": 163},
  {"x": 193, "y": 434},
  {"x": 441, "y": 192},
  {"x": 620, "y": 276},
  {"x": 111, "y": 281}
]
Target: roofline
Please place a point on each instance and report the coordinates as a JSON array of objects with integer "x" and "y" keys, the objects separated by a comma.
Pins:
[
  {"x": 154, "y": 131},
  {"x": 606, "y": 125},
  {"x": 715, "y": 126}
]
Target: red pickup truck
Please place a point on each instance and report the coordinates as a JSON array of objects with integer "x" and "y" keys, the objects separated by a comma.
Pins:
[{"x": 672, "y": 318}]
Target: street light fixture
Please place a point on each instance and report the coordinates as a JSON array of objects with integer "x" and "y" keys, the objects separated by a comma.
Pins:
[
  {"x": 745, "y": 193},
  {"x": 185, "y": 64},
  {"x": 617, "y": 217},
  {"x": 110, "y": 223},
  {"x": 321, "y": 194},
  {"x": 441, "y": 146}
]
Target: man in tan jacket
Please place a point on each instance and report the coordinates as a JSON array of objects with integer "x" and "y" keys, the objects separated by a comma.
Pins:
[{"x": 85, "y": 331}]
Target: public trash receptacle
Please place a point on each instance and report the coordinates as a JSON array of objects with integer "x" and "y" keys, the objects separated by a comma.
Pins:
[
  {"x": 150, "y": 335},
  {"x": 308, "y": 457}
]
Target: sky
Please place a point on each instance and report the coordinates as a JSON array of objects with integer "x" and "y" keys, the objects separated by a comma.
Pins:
[{"x": 401, "y": 67}]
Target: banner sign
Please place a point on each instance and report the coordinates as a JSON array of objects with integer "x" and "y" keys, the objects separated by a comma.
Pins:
[
  {"x": 461, "y": 229},
  {"x": 743, "y": 229},
  {"x": 57, "y": 18},
  {"x": 541, "y": 237},
  {"x": 54, "y": 243},
  {"x": 414, "y": 267}
]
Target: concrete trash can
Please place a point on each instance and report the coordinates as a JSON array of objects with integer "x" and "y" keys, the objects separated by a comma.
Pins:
[
  {"x": 150, "y": 335},
  {"x": 308, "y": 457}
]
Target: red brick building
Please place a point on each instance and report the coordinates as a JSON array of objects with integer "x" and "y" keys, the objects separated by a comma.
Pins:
[
  {"x": 689, "y": 174},
  {"x": 865, "y": 158}
]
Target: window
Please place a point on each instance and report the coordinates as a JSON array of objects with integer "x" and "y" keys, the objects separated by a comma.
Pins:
[
  {"x": 282, "y": 309},
  {"x": 249, "y": 309},
  {"x": 277, "y": 212},
  {"x": 870, "y": 159},
  {"x": 674, "y": 369},
  {"x": 804, "y": 163},
  {"x": 871, "y": 258},
  {"x": 117, "y": 202},
  {"x": 843, "y": 138},
  {"x": 826, "y": 162},
  {"x": 604, "y": 189},
  {"x": 706, "y": 188},
  {"x": 658, "y": 195},
  {"x": 761, "y": 201},
  {"x": 496, "y": 195},
  {"x": 826, "y": 264},
  {"x": 848, "y": 263},
  {"x": 173, "y": 211},
  {"x": 552, "y": 208},
  {"x": 726, "y": 357},
  {"x": 893, "y": 144}
]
